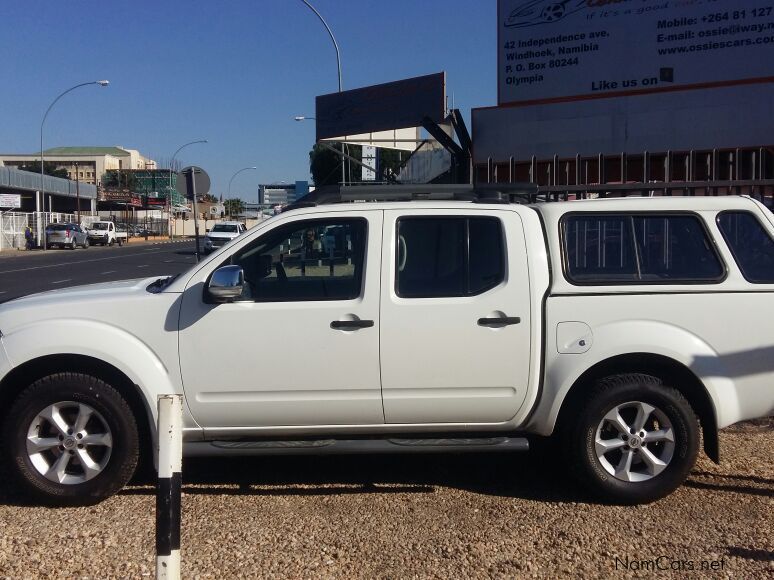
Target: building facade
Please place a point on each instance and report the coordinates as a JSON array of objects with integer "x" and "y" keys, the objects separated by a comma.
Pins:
[
  {"x": 282, "y": 193},
  {"x": 86, "y": 164}
]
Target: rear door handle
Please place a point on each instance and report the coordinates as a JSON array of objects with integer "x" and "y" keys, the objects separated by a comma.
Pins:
[
  {"x": 499, "y": 321},
  {"x": 351, "y": 324}
]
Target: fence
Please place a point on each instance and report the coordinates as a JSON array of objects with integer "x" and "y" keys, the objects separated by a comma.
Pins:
[
  {"x": 13, "y": 224},
  {"x": 692, "y": 173}
]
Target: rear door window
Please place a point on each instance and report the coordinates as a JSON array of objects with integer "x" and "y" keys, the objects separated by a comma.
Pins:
[
  {"x": 751, "y": 245},
  {"x": 639, "y": 249},
  {"x": 447, "y": 257}
]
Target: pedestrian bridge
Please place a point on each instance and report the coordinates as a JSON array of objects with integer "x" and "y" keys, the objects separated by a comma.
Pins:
[{"x": 21, "y": 182}]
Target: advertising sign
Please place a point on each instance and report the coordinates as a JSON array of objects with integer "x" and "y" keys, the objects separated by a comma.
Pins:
[
  {"x": 369, "y": 160},
  {"x": 10, "y": 200},
  {"x": 395, "y": 105},
  {"x": 560, "y": 50},
  {"x": 120, "y": 196}
]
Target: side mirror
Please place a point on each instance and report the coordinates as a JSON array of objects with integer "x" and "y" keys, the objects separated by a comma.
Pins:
[{"x": 226, "y": 283}]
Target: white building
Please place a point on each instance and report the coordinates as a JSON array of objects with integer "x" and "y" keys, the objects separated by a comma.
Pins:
[{"x": 88, "y": 163}]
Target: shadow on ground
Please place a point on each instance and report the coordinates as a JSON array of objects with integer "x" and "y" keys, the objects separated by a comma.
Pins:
[{"x": 500, "y": 474}]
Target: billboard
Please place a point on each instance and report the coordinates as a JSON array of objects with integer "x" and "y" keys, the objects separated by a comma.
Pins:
[
  {"x": 395, "y": 105},
  {"x": 563, "y": 50}
]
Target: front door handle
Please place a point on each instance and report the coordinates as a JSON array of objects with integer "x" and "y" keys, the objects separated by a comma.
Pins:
[
  {"x": 351, "y": 324},
  {"x": 499, "y": 321}
]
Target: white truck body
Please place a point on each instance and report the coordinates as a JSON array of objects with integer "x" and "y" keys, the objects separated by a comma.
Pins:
[
  {"x": 251, "y": 369},
  {"x": 105, "y": 233}
]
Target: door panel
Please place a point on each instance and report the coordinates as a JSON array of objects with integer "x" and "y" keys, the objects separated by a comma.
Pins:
[
  {"x": 454, "y": 358},
  {"x": 274, "y": 359}
]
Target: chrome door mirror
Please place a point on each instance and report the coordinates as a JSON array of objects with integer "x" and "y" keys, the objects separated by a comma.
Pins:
[{"x": 226, "y": 283}]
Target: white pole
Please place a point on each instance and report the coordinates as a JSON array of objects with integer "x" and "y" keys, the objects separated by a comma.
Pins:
[{"x": 170, "y": 457}]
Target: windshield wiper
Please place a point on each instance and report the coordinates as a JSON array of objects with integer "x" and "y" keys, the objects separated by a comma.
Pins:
[{"x": 158, "y": 285}]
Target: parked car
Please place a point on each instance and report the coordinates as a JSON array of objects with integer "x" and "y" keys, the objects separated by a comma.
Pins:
[
  {"x": 106, "y": 234},
  {"x": 221, "y": 234},
  {"x": 66, "y": 235},
  {"x": 628, "y": 330}
]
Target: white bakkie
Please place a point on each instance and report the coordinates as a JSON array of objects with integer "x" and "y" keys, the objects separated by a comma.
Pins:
[
  {"x": 624, "y": 329},
  {"x": 105, "y": 233}
]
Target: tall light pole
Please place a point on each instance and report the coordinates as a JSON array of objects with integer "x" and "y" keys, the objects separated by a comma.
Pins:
[
  {"x": 233, "y": 176},
  {"x": 338, "y": 65},
  {"x": 171, "y": 165},
  {"x": 42, "y": 195}
]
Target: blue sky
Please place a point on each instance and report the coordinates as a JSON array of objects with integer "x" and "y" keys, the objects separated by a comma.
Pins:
[{"x": 234, "y": 72}]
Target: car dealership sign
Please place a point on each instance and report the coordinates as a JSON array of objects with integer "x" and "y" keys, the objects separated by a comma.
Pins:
[{"x": 555, "y": 50}]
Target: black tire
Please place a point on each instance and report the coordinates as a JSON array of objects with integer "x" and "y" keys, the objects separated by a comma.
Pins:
[
  {"x": 102, "y": 398},
  {"x": 86, "y": 244},
  {"x": 72, "y": 245},
  {"x": 579, "y": 439},
  {"x": 111, "y": 242}
]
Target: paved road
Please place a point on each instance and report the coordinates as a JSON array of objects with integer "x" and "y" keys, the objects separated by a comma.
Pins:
[{"x": 24, "y": 273}]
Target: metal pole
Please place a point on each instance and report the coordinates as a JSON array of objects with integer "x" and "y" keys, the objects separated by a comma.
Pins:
[
  {"x": 233, "y": 176},
  {"x": 77, "y": 195},
  {"x": 196, "y": 213},
  {"x": 170, "y": 457},
  {"x": 338, "y": 66},
  {"x": 42, "y": 186},
  {"x": 172, "y": 163}
]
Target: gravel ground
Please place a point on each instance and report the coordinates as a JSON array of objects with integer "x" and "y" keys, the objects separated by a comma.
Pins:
[{"x": 500, "y": 516}]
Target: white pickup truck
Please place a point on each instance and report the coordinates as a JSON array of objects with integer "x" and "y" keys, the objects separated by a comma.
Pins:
[
  {"x": 106, "y": 234},
  {"x": 624, "y": 328}
]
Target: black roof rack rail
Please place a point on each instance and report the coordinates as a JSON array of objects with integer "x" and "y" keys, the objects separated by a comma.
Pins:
[{"x": 484, "y": 193}]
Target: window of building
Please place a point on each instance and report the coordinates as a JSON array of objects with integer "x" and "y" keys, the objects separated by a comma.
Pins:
[
  {"x": 751, "y": 245},
  {"x": 448, "y": 257},
  {"x": 306, "y": 260},
  {"x": 638, "y": 249}
]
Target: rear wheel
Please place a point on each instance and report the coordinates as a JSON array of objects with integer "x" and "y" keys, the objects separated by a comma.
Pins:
[
  {"x": 72, "y": 245},
  {"x": 634, "y": 440},
  {"x": 71, "y": 440}
]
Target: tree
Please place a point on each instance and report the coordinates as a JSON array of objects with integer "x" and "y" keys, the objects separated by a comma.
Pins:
[
  {"x": 50, "y": 168},
  {"x": 234, "y": 207}
]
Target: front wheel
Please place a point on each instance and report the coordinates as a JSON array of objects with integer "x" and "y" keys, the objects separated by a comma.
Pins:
[
  {"x": 71, "y": 440},
  {"x": 634, "y": 440}
]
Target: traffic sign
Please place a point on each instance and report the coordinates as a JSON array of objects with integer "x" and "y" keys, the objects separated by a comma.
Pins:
[{"x": 192, "y": 180}]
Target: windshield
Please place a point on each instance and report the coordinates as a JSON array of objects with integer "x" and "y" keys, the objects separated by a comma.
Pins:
[
  {"x": 224, "y": 228},
  {"x": 99, "y": 226}
]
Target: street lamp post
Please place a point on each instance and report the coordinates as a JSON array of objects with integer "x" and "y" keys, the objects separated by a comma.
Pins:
[
  {"x": 233, "y": 176},
  {"x": 338, "y": 66},
  {"x": 42, "y": 195},
  {"x": 171, "y": 165}
]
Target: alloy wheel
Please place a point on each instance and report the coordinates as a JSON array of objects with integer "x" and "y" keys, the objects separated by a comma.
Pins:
[
  {"x": 69, "y": 443},
  {"x": 634, "y": 441}
]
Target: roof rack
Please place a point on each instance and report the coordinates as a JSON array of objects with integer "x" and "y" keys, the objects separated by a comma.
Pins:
[{"x": 484, "y": 193}]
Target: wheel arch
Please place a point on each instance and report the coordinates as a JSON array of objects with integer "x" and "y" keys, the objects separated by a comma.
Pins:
[
  {"x": 675, "y": 373},
  {"x": 25, "y": 374}
]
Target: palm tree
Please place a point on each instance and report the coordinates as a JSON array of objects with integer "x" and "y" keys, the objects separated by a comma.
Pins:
[{"x": 234, "y": 207}]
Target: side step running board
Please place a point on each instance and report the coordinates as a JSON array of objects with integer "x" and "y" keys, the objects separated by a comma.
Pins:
[{"x": 355, "y": 446}]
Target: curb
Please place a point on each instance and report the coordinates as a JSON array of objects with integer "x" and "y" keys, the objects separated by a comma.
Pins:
[{"x": 19, "y": 252}]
